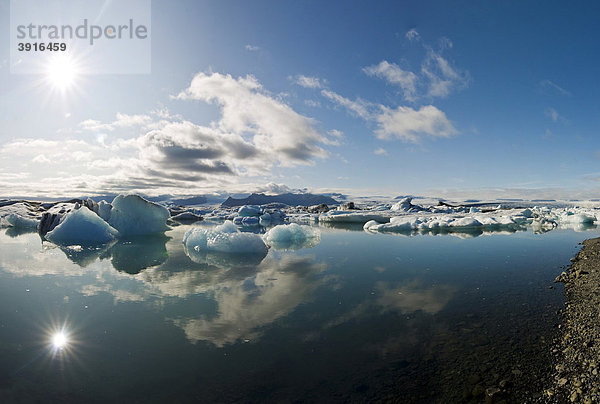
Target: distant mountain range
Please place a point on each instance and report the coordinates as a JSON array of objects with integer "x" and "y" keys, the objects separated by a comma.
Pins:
[{"x": 287, "y": 199}]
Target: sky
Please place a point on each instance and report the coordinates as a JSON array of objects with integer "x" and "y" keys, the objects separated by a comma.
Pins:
[{"x": 449, "y": 99}]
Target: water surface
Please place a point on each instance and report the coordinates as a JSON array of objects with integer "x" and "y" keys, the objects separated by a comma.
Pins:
[{"x": 359, "y": 316}]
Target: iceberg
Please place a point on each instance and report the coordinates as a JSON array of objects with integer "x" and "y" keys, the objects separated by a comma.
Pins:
[
  {"x": 104, "y": 209},
  {"x": 21, "y": 222},
  {"x": 82, "y": 226},
  {"x": 405, "y": 205},
  {"x": 249, "y": 210},
  {"x": 252, "y": 215},
  {"x": 449, "y": 223},
  {"x": 139, "y": 253},
  {"x": 361, "y": 216},
  {"x": 292, "y": 237},
  {"x": 265, "y": 219},
  {"x": 225, "y": 238},
  {"x": 187, "y": 217},
  {"x": 133, "y": 215}
]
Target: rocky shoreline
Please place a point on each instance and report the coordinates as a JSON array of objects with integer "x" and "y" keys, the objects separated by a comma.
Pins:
[{"x": 576, "y": 374}]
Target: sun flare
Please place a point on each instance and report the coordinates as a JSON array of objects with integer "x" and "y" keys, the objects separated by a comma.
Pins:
[
  {"x": 59, "y": 340},
  {"x": 62, "y": 72}
]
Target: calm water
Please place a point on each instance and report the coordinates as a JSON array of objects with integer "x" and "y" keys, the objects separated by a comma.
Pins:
[{"x": 358, "y": 317}]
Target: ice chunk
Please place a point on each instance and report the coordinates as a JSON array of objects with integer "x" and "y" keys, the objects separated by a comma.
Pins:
[
  {"x": 21, "y": 222},
  {"x": 249, "y": 210},
  {"x": 104, "y": 209},
  {"x": 404, "y": 205},
  {"x": 133, "y": 215},
  {"x": 82, "y": 226},
  {"x": 187, "y": 217},
  {"x": 465, "y": 222},
  {"x": 226, "y": 227},
  {"x": 292, "y": 237},
  {"x": 225, "y": 239},
  {"x": 526, "y": 213},
  {"x": 265, "y": 219},
  {"x": 336, "y": 216},
  {"x": 577, "y": 218}
]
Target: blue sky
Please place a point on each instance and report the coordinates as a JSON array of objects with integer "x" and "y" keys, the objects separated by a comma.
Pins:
[{"x": 464, "y": 99}]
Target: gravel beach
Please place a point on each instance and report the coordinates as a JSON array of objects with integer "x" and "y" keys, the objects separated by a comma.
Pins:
[{"x": 576, "y": 374}]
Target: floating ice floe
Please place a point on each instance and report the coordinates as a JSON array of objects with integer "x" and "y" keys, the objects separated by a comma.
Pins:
[
  {"x": 225, "y": 238},
  {"x": 187, "y": 217},
  {"x": 22, "y": 215},
  {"x": 249, "y": 210},
  {"x": 21, "y": 222},
  {"x": 82, "y": 226},
  {"x": 252, "y": 215},
  {"x": 356, "y": 216},
  {"x": 224, "y": 246},
  {"x": 539, "y": 219},
  {"x": 292, "y": 237},
  {"x": 133, "y": 215},
  {"x": 405, "y": 205}
]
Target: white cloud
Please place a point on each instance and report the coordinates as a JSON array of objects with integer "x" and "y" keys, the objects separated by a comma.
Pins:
[
  {"x": 312, "y": 103},
  {"x": 437, "y": 77},
  {"x": 309, "y": 82},
  {"x": 413, "y": 35},
  {"x": 247, "y": 109},
  {"x": 403, "y": 123},
  {"x": 41, "y": 159},
  {"x": 552, "y": 114},
  {"x": 380, "y": 152},
  {"x": 252, "y": 48},
  {"x": 395, "y": 75},
  {"x": 357, "y": 107},
  {"x": 549, "y": 85},
  {"x": 121, "y": 121},
  {"x": 336, "y": 133},
  {"x": 162, "y": 152},
  {"x": 442, "y": 77},
  {"x": 409, "y": 124},
  {"x": 273, "y": 188}
]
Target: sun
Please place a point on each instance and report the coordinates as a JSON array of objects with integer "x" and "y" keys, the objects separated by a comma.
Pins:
[
  {"x": 62, "y": 72},
  {"x": 59, "y": 340}
]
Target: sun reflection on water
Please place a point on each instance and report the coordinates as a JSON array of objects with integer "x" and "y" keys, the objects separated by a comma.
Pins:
[{"x": 59, "y": 340}]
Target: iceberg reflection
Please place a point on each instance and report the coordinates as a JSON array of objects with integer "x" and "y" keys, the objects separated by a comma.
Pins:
[{"x": 139, "y": 253}]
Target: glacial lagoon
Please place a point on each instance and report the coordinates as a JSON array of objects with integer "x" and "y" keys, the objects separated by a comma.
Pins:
[{"x": 359, "y": 316}]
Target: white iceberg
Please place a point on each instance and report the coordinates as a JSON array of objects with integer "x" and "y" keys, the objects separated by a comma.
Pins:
[
  {"x": 405, "y": 205},
  {"x": 82, "y": 226},
  {"x": 225, "y": 238},
  {"x": 292, "y": 237},
  {"x": 346, "y": 216},
  {"x": 133, "y": 215},
  {"x": 21, "y": 222},
  {"x": 449, "y": 223},
  {"x": 104, "y": 209},
  {"x": 249, "y": 210}
]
